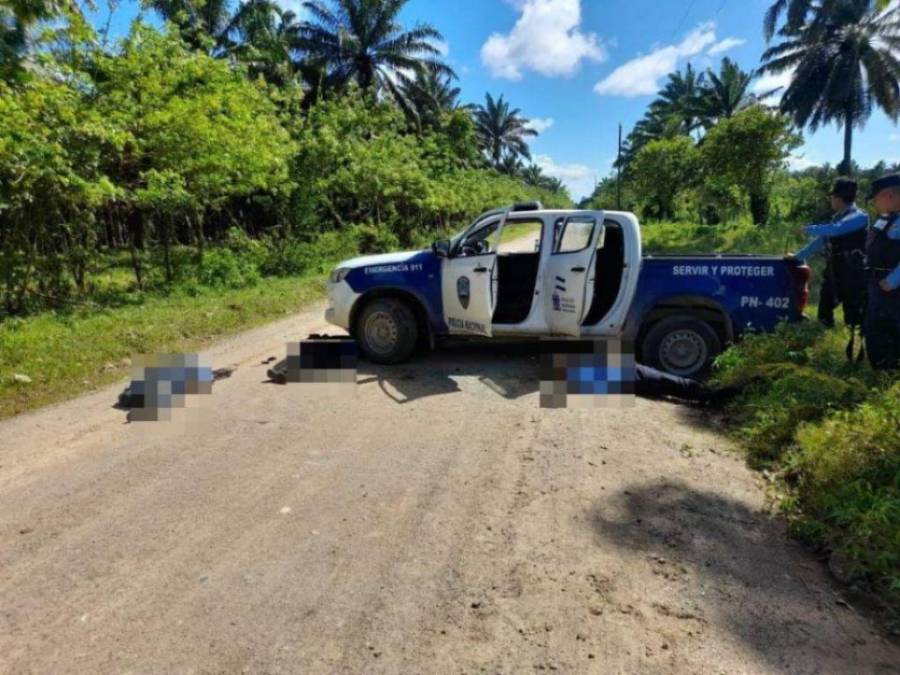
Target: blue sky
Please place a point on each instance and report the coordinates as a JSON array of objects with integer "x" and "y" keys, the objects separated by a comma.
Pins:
[{"x": 581, "y": 67}]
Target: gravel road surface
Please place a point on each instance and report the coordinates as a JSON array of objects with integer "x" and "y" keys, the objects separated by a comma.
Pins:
[{"x": 431, "y": 520}]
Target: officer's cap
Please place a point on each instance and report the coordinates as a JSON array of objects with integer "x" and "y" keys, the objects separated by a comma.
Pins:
[
  {"x": 883, "y": 183},
  {"x": 845, "y": 188}
]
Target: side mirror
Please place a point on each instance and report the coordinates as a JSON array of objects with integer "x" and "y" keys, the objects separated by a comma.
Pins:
[{"x": 441, "y": 248}]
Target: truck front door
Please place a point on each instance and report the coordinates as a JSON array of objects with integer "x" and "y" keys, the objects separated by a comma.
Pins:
[
  {"x": 569, "y": 272},
  {"x": 469, "y": 280}
]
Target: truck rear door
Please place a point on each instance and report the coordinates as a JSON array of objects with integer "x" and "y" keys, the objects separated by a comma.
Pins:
[{"x": 569, "y": 271}]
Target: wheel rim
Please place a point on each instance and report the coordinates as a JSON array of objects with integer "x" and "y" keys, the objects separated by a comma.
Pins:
[
  {"x": 683, "y": 352},
  {"x": 381, "y": 332}
]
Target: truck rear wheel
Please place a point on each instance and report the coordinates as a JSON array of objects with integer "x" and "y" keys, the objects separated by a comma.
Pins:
[
  {"x": 682, "y": 346},
  {"x": 386, "y": 331}
]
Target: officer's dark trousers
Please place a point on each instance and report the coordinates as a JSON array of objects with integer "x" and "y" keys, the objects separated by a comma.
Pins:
[
  {"x": 882, "y": 328},
  {"x": 828, "y": 299},
  {"x": 654, "y": 384}
]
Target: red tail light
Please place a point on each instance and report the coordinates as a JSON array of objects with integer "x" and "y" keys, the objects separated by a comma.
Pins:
[{"x": 800, "y": 275}]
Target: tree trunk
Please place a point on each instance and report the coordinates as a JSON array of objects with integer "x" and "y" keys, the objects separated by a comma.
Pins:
[
  {"x": 846, "y": 167},
  {"x": 136, "y": 246},
  {"x": 759, "y": 208},
  {"x": 166, "y": 226}
]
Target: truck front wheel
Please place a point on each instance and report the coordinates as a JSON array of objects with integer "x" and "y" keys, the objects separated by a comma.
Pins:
[
  {"x": 682, "y": 346},
  {"x": 387, "y": 331}
]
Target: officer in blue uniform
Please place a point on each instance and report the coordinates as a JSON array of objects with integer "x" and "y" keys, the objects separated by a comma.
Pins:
[
  {"x": 843, "y": 241},
  {"x": 882, "y": 324}
]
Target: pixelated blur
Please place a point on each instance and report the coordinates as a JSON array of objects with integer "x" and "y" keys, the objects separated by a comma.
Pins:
[
  {"x": 587, "y": 373},
  {"x": 319, "y": 360},
  {"x": 160, "y": 383}
]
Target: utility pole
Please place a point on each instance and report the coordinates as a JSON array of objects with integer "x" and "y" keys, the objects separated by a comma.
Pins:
[{"x": 619, "y": 172}]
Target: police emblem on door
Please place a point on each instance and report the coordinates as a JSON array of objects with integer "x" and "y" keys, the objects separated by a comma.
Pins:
[{"x": 464, "y": 292}]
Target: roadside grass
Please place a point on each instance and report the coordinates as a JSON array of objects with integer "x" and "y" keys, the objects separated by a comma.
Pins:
[
  {"x": 67, "y": 353},
  {"x": 829, "y": 432}
]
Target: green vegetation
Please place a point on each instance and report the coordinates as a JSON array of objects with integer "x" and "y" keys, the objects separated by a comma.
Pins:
[
  {"x": 226, "y": 160},
  {"x": 65, "y": 354},
  {"x": 830, "y": 431}
]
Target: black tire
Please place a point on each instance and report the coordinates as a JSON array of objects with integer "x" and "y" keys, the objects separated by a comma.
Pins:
[
  {"x": 681, "y": 345},
  {"x": 387, "y": 331}
]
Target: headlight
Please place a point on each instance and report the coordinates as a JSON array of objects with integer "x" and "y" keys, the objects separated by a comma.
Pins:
[{"x": 339, "y": 275}]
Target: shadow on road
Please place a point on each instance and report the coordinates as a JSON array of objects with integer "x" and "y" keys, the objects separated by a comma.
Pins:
[
  {"x": 744, "y": 573},
  {"x": 509, "y": 370}
]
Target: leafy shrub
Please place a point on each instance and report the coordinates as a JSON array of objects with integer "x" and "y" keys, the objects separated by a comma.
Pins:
[
  {"x": 221, "y": 268},
  {"x": 781, "y": 396},
  {"x": 295, "y": 257},
  {"x": 847, "y": 473},
  {"x": 373, "y": 239},
  {"x": 832, "y": 430},
  {"x": 244, "y": 246}
]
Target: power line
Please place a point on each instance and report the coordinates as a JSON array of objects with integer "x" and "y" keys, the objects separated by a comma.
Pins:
[
  {"x": 721, "y": 7},
  {"x": 684, "y": 18}
]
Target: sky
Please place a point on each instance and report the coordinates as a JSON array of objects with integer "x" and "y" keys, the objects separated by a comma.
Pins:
[{"x": 579, "y": 68}]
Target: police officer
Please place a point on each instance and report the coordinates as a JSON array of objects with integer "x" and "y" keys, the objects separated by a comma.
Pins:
[
  {"x": 882, "y": 324},
  {"x": 843, "y": 241}
]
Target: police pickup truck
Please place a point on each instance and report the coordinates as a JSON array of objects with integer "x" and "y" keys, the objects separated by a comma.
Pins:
[{"x": 527, "y": 272}]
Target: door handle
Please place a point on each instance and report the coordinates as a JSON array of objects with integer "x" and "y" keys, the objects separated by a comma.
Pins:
[
  {"x": 480, "y": 270},
  {"x": 577, "y": 269}
]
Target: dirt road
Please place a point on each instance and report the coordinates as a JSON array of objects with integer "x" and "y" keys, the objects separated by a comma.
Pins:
[{"x": 433, "y": 521}]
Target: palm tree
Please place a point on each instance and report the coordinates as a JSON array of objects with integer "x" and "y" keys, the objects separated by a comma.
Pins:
[
  {"x": 18, "y": 19},
  {"x": 266, "y": 38},
  {"x": 679, "y": 97},
  {"x": 511, "y": 165},
  {"x": 845, "y": 63},
  {"x": 362, "y": 41},
  {"x": 533, "y": 175},
  {"x": 796, "y": 13},
  {"x": 653, "y": 126},
  {"x": 726, "y": 93},
  {"x": 431, "y": 93},
  {"x": 501, "y": 131},
  {"x": 203, "y": 24}
]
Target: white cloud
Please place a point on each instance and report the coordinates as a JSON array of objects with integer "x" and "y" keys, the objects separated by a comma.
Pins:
[
  {"x": 545, "y": 39},
  {"x": 539, "y": 124},
  {"x": 643, "y": 75},
  {"x": 771, "y": 82},
  {"x": 800, "y": 162},
  {"x": 579, "y": 178},
  {"x": 725, "y": 45},
  {"x": 442, "y": 46}
]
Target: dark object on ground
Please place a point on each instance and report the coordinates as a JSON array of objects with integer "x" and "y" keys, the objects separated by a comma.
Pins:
[
  {"x": 654, "y": 383},
  {"x": 334, "y": 353},
  {"x": 223, "y": 373},
  {"x": 278, "y": 372},
  {"x": 129, "y": 399},
  {"x": 269, "y": 360}
]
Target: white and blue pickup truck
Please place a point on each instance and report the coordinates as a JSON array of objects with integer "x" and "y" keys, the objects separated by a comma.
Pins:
[{"x": 528, "y": 272}]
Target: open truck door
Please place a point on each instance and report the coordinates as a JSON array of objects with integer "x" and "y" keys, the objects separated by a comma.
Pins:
[
  {"x": 469, "y": 280},
  {"x": 570, "y": 270}
]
